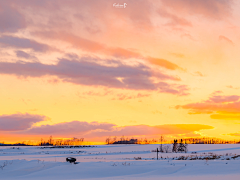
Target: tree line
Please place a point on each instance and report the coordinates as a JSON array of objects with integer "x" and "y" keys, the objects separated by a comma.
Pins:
[
  {"x": 50, "y": 142},
  {"x": 61, "y": 142},
  {"x": 113, "y": 140},
  {"x": 162, "y": 140},
  {"x": 208, "y": 140}
]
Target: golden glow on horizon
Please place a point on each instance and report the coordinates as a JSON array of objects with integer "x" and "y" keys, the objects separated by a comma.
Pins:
[{"x": 187, "y": 54}]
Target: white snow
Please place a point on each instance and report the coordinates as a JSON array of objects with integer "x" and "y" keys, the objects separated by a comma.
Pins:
[{"x": 119, "y": 162}]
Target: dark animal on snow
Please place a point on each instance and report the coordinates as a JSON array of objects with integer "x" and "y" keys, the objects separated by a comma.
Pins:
[{"x": 71, "y": 160}]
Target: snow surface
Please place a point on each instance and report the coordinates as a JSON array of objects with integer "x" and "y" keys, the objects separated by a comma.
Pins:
[{"x": 119, "y": 162}]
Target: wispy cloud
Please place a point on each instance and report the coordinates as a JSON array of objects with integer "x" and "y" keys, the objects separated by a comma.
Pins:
[
  {"x": 198, "y": 73},
  {"x": 234, "y": 134},
  {"x": 231, "y": 87},
  {"x": 23, "y": 43},
  {"x": 179, "y": 55},
  {"x": 69, "y": 128},
  {"x": 210, "y": 9},
  {"x": 87, "y": 71},
  {"x": 225, "y": 39},
  {"x": 99, "y": 129},
  {"x": 96, "y": 47},
  {"x": 174, "y": 19},
  {"x": 22, "y": 54},
  {"x": 122, "y": 96},
  {"x": 168, "y": 129}
]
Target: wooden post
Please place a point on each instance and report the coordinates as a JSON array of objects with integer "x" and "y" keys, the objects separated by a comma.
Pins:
[{"x": 157, "y": 153}]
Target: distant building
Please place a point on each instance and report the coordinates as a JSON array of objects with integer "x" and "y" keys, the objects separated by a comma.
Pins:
[{"x": 131, "y": 141}]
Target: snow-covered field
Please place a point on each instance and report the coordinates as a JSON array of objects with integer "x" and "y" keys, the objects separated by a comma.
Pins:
[{"x": 120, "y": 162}]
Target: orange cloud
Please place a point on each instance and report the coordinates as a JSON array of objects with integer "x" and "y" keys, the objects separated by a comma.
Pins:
[
  {"x": 95, "y": 129},
  {"x": 163, "y": 63},
  {"x": 225, "y": 117},
  {"x": 91, "y": 46},
  {"x": 69, "y": 129},
  {"x": 197, "y": 73},
  {"x": 22, "y": 125},
  {"x": 139, "y": 130},
  {"x": 223, "y": 38},
  {"x": 234, "y": 134},
  {"x": 179, "y": 55},
  {"x": 226, "y": 107}
]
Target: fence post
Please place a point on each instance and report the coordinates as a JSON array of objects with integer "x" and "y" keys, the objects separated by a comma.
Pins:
[{"x": 157, "y": 153}]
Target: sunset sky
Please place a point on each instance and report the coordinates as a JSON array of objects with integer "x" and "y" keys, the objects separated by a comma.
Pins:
[{"x": 87, "y": 69}]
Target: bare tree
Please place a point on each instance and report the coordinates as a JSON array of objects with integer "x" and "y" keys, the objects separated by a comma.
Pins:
[
  {"x": 175, "y": 146},
  {"x": 161, "y": 147},
  {"x": 108, "y": 141}
]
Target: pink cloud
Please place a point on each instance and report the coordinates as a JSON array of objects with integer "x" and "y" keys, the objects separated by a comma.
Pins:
[
  {"x": 174, "y": 19},
  {"x": 50, "y": 23},
  {"x": 211, "y": 9},
  {"x": 181, "y": 90},
  {"x": 23, "y": 43},
  {"x": 98, "y": 129},
  {"x": 72, "y": 128},
  {"x": 188, "y": 36},
  {"x": 218, "y": 106},
  {"x": 11, "y": 20},
  {"x": 122, "y": 96},
  {"x": 232, "y": 87},
  {"x": 22, "y": 54},
  {"x": 223, "y": 99},
  {"x": 225, "y": 39},
  {"x": 216, "y": 93},
  {"x": 91, "y": 46},
  {"x": 92, "y": 93},
  {"x": 87, "y": 71},
  {"x": 19, "y": 122}
]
